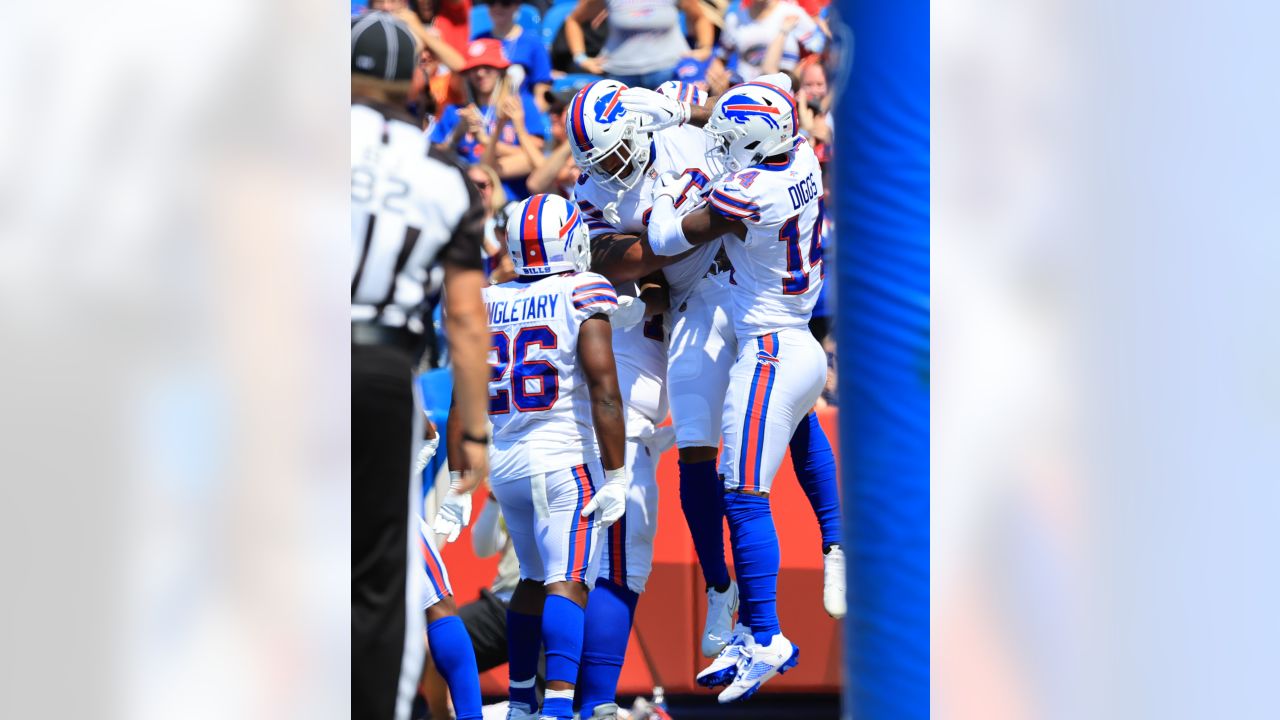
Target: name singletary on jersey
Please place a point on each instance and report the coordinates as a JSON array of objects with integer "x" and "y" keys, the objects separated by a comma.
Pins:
[{"x": 538, "y": 399}]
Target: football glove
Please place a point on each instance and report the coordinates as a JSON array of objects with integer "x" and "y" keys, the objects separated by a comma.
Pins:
[
  {"x": 455, "y": 511},
  {"x": 610, "y": 499},
  {"x": 663, "y": 112},
  {"x": 630, "y": 312},
  {"x": 427, "y": 452}
]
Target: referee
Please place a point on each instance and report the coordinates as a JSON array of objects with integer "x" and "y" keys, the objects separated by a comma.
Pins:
[{"x": 410, "y": 209}]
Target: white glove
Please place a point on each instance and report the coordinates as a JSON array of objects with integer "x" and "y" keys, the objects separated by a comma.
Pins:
[
  {"x": 664, "y": 112},
  {"x": 427, "y": 452},
  {"x": 661, "y": 440},
  {"x": 670, "y": 185},
  {"x": 630, "y": 312},
  {"x": 779, "y": 79},
  {"x": 610, "y": 499},
  {"x": 455, "y": 511}
]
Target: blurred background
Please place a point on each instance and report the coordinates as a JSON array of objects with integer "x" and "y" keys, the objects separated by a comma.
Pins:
[{"x": 1104, "y": 401}]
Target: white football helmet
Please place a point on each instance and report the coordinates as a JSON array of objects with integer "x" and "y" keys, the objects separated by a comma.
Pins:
[
  {"x": 545, "y": 235},
  {"x": 683, "y": 91},
  {"x": 751, "y": 122},
  {"x": 606, "y": 140}
]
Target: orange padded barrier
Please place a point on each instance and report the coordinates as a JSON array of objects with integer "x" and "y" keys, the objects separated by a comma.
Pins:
[{"x": 669, "y": 617}]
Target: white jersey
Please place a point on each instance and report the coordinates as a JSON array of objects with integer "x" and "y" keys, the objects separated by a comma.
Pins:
[
  {"x": 641, "y": 351},
  {"x": 750, "y": 38},
  {"x": 675, "y": 150},
  {"x": 538, "y": 399},
  {"x": 777, "y": 268}
]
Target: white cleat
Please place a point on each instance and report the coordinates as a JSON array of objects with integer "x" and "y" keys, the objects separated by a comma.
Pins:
[
  {"x": 833, "y": 582},
  {"x": 718, "y": 630},
  {"x": 608, "y": 711},
  {"x": 722, "y": 670},
  {"x": 758, "y": 664},
  {"x": 520, "y": 711}
]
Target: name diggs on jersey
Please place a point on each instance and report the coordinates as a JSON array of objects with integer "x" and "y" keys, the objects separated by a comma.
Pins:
[
  {"x": 536, "y": 307},
  {"x": 803, "y": 192}
]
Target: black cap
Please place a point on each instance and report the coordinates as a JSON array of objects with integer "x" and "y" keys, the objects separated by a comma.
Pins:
[{"x": 381, "y": 46}]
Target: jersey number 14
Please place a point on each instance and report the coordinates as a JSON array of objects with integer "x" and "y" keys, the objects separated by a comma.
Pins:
[{"x": 798, "y": 266}]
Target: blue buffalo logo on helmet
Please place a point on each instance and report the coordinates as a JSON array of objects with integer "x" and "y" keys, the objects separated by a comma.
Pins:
[
  {"x": 741, "y": 108},
  {"x": 609, "y": 107}
]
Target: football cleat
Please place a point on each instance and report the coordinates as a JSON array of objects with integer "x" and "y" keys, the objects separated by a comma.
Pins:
[
  {"x": 520, "y": 711},
  {"x": 758, "y": 664},
  {"x": 833, "y": 582},
  {"x": 722, "y": 670},
  {"x": 718, "y": 630},
  {"x": 608, "y": 711}
]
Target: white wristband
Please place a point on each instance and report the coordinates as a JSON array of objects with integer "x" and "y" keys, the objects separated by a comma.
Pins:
[
  {"x": 455, "y": 480},
  {"x": 666, "y": 236},
  {"x": 615, "y": 476}
]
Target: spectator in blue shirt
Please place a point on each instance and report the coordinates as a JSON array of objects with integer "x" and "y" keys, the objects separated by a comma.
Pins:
[
  {"x": 498, "y": 126},
  {"x": 523, "y": 48}
]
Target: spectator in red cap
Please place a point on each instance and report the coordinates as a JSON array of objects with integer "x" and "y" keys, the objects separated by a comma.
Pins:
[{"x": 495, "y": 115}]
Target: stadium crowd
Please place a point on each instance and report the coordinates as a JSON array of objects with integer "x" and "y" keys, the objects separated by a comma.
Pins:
[
  {"x": 491, "y": 87},
  {"x": 493, "y": 80}
]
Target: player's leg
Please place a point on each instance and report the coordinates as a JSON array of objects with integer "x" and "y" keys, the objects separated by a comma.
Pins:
[
  {"x": 486, "y": 621},
  {"x": 625, "y": 563},
  {"x": 524, "y": 612},
  {"x": 570, "y": 547},
  {"x": 775, "y": 381},
  {"x": 451, "y": 649},
  {"x": 815, "y": 468},
  {"x": 702, "y": 353}
]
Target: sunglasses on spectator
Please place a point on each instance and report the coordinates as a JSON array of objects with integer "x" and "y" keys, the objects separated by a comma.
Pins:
[
  {"x": 481, "y": 184},
  {"x": 506, "y": 2}
]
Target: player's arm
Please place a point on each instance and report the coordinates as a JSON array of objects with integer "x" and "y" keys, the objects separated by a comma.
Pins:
[
  {"x": 672, "y": 235},
  {"x": 655, "y": 293},
  {"x": 624, "y": 258},
  {"x": 595, "y": 354},
  {"x": 653, "y": 296},
  {"x": 666, "y": 111}
]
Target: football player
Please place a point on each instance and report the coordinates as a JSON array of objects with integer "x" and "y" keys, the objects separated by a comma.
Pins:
[
  {"x": 770, "y": 201},
  {"x": 621, "y": 164},
  {"x": 557, "y": 459},
  {"x": 702, "y": 348}
]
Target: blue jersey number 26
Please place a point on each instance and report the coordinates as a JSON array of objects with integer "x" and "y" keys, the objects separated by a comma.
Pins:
[{"x": 532, "y": 384}]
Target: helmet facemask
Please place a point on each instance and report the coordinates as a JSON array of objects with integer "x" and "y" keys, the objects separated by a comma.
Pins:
[{"x": 628, "y": 156}]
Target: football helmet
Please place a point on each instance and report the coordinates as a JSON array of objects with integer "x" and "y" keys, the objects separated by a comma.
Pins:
[
  {"x": 545, "y": 235},
  {"x": 751, "y": 122},
  {"x": 605, "y": 139}
]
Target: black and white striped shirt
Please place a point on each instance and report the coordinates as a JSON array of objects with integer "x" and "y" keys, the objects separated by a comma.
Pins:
[{"x": 410, "y": 208}]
